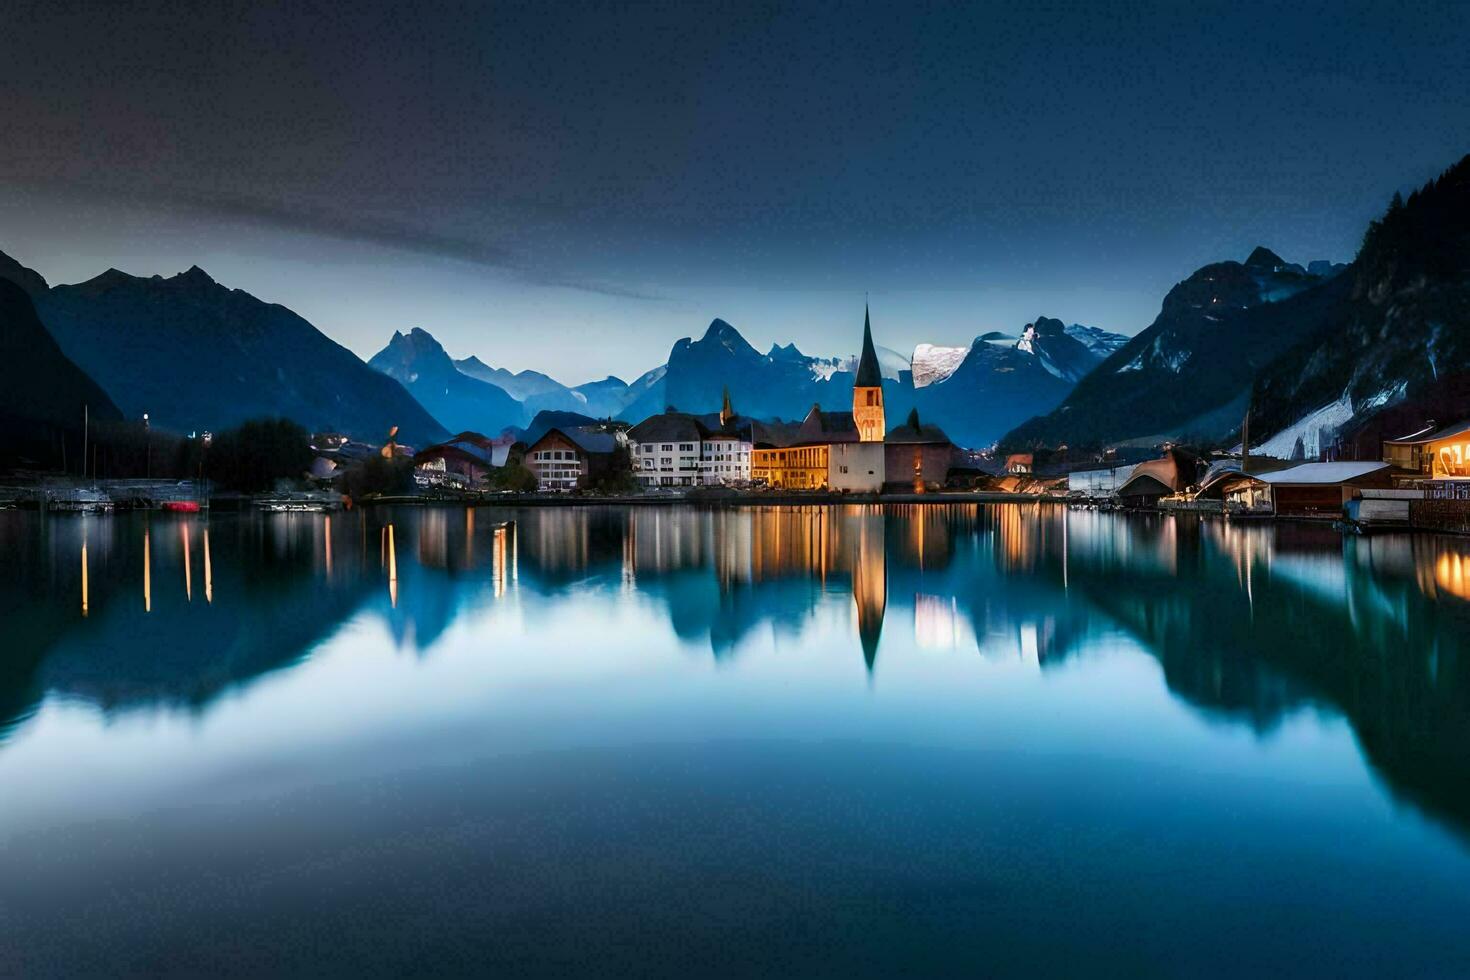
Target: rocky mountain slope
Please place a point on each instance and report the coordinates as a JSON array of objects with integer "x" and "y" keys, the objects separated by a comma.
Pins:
[
  {"x": 43, "y": 394},
  {"x": 1189, "y": 373},
  {"x": 456, "y": 400},
  {"x": 1402, "y": 324},
  {"x": 197, "y": 355}
]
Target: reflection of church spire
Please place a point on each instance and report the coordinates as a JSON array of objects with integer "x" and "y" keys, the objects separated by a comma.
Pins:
[{"x": 870, "y": 586}]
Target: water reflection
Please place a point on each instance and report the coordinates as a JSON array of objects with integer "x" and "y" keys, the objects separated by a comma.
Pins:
[{"x": 1249, "y": 622}]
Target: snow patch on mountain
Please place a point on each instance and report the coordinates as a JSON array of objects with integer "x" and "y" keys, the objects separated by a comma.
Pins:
[
  {"x": 890, "y": 364},
  {"x": 932, "y": 364},
  {"x": 1392, "y": 393},
  {"x": 1134, "y": 365},
  {"x": 1311, "y": 430},
  {"x": 1101, "y": 342}
]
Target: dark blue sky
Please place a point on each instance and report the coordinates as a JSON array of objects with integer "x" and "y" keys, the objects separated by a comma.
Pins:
[{"x": 573, "y": 187}]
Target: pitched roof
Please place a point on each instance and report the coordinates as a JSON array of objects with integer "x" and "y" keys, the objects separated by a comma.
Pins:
[
  {"x": 1323, "y": 472},
  {"x": 1425, "y": 436},
  {"x": 820, "y": 426},
  {"x": 776, "y": 435},
  {"x": 909, "y": 434},
  {"x": 584, "y": 438},
  {"x": 735, "y": 427},
  {"x": 668, "y": 427},
  {"x": 868, "y": 375}
]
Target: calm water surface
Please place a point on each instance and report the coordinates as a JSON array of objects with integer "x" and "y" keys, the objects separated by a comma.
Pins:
[{"x": 809, "y": 741}]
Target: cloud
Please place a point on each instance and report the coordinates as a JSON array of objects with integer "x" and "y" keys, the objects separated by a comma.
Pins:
[{"x": 330, "y": 223}]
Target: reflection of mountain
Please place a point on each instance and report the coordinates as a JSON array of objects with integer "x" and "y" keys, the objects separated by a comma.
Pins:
[
  {"x": 1249, "y": 624},
  {"x": 163, "y": 637},
  {"x": 1256, "y": 624}
]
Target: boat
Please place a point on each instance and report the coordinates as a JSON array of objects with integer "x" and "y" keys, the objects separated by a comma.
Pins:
[
  {"x": 182, "y": 506},
  {"x": 80, "y": 500},
  {"x": 299, "y": 503}
]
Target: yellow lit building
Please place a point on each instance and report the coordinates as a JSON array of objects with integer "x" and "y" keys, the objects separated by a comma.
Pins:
[
  {"x": 791, "y": 467},
  {"x": 818, "y": 456},
  {"x": 1438, "y": 455}
]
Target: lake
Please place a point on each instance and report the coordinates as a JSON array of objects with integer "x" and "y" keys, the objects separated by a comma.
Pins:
[{"x": 807, "y": 741}]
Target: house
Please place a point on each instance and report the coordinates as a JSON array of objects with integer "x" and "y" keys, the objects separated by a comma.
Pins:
[
  {"x": 676, "y": 449},
  {"x": 790, "y": 466},
  {"x": 573, "y": 458},
  {"x": 1434, "y": 454},
  {"x": 666, "y": 450},
  {"x": 1322, "y": 489},
  {"x": 724, "y": 456},
  {"x": 1175, "y": 471},
  {"x": 1238, "y": 492},
  {"x": 465, "y": 459},
  {"x": 917, "y": 456},
  {"x": 726, "y": 443}
]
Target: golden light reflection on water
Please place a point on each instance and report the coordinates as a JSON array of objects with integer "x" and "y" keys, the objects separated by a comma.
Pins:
[
  {"x": 498, "y": 562},
  {"x": 147, "y": 569},
  {"x": 392, "y": 569},
  {"x": 1452, "y": 574},
  {"x": 84, "y": 578},
  {"x": 852, "y": 551},
  {"x": 188, "y": 570}
]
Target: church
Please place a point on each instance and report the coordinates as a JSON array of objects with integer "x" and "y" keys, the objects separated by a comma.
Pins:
[{"x": 854, "y": 451}]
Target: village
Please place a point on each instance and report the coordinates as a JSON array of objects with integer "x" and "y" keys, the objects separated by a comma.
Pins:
[
  {"x": 1383, "y": 480},
  {"x": 1419, "y": 479}
]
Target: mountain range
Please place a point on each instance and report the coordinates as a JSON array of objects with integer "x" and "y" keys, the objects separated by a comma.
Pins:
[
  {"x": 1187, "y": 375},
  {"x": 1308, "y": 352},
  {"x": 975, "y": 393}
]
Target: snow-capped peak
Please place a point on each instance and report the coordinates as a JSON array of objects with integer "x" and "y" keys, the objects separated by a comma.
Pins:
[{"x": 932, "y": 364}]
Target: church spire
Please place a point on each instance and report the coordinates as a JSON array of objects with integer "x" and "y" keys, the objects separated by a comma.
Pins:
[
  {"x": 868, "y": 375},
  {"x": 867, "y": 389},
  {"x": 727, "y": 412}
]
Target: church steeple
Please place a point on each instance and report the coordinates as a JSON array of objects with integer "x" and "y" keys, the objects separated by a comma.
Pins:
[
  {"x": 868, "y": 375},
  {"x": 867, "y": 389},
  {"x": 727, "y": 412}
]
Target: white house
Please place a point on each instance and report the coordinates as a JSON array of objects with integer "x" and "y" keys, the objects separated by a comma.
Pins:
[
  {"x": 724, "y": 457},
  {"x": 676, "y": 449}
]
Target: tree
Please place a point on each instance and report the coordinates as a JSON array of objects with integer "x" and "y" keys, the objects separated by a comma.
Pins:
[
  {"x": 378, "y": 475},
  {"x": 252, "y": 457},
  {"x": 513, "y": 476}
]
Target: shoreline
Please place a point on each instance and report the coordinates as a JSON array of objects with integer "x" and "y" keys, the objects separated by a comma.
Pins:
[{"x": 738, "y": 500}]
